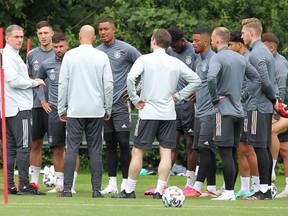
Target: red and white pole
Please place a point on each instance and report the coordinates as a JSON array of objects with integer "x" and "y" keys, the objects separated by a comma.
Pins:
[{"x": 4, "y": 141}]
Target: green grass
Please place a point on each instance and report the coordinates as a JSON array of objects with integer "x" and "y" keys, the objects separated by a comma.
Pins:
[{"x": 83, "y": 204}]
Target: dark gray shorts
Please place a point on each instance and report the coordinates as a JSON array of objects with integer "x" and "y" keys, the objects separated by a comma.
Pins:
[
  {"x": 203, "y": 132},
  {"x": 57, "y": 129},
  {"x": 283, "y": 137},
  {"x": 227, "y": 130},
  {"x": 185, "y": 117},
  {"x": 163, "y": 130},
  {"x": 259, "y": 129},
  {"x": 39, "y": 123},
  {"x": 120, "y": 117}
]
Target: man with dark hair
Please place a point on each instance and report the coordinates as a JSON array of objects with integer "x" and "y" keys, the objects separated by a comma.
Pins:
[
  {"x": 261, "y": 105},
  {"x": 246, "y": 155},
  {"x": 203, "y": 127},
  {"x": 225, "y": 77},
  {"x": 40, "y": 118},
  {"x": 19, "y": 100},
  {"x": 117, "y": 130},
  {"x": 156, "y": 106},
  {"x": 85, "y": 74},
  {"x": 50, "y": 69},
  {"x": 279, "y": 124}
]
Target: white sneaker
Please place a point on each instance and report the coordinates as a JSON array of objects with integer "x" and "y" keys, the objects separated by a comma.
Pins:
[
  {"x": 56, "y": 189},
  {"x": 109, "y": 190},
  {"x": 283, "y": 194},
  {"x": 224, "y": 196}
]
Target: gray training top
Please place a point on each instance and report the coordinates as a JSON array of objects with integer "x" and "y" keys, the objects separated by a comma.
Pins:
[
  {"x": 262, "y": 59},
  {"x": 188, "y": 56},
  {"x": 281, "y": 71},
  {"x": 34, "y": 60},
  {"x": 225, "y": 77},
  {"x": 50, "y": 69},
  {"x": 203, "y": 99},
  {"x": 122, "y": 56}
]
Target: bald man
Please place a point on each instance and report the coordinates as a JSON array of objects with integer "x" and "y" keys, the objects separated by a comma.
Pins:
[{"x": 86, "y": 85}]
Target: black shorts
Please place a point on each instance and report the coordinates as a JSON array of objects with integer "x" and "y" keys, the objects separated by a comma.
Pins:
[
  {"x": 39, "y": 123},
  {"x": 283, "y": 137},
  {"x": 244, "y": 136},
  {"x": 203, "y": 132},
  {"x": 120, "y": 117},
  {"x": 227, "y": 130},
  {"x": 259, "y": 129},
  {"x": 57, "y": 129},
  {"x": 185, "y": 117},
  {"x": 147, "y": 130}
]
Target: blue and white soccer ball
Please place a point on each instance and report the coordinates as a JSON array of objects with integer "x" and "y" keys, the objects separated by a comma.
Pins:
[
  {"x": 49, "y": 178},
  {"x": 173, "y": 197},
  {"x": 273, "y": 190}
]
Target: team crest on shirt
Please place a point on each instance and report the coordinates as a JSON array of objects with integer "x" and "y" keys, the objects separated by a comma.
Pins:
[
  {"x": 204, "y": 67},
  {"x": 188, "y": 60},
  {"x": 52, "y": 75},
  {"x": 36, "y": 66},
  {"x": 50, "y": 139},
  {"x": 117, "y": 54}
]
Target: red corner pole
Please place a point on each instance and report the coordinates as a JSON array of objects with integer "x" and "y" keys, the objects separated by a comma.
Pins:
[
  {"x": 4, "y": 145},
  {"x": 28, "y": 46}
]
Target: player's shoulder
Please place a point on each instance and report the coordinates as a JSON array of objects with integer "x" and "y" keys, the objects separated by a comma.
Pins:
[{"x": 33, "y": 51}]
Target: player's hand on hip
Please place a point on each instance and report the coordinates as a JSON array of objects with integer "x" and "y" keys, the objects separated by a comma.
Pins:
[
  {"x": 63, "y": 117},
  {"x": 140, "y": 104},
  {"x": 106, "y": 117}
]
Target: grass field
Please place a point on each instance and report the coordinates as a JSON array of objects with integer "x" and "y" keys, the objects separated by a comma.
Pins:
[{"x": 83, "y": 204}]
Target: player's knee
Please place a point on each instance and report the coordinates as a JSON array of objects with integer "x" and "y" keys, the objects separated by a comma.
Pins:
[{"x": 123, "y": 139}]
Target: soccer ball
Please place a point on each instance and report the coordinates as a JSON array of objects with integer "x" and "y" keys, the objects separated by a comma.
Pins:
[
  {"x": 49, "y": 178},
  {"x": 173, "y": 197},
  {"x": 273, "y": 190}
]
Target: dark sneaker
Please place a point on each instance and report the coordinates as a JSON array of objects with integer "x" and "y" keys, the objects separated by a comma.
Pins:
[
  {"x": 65, "y": 194},
  {"x": 97, "y": 194},
  {"x": 123, "y": 194},
  {"x": 30, "y": 190},
  {"x": 157, "y": 196},
  {"x": 12, "y": 190},
  {"x": 259, "y": 195}
]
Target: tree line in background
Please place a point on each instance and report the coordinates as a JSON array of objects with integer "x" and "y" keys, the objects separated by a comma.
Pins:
[{"x": 136, "y": 19}]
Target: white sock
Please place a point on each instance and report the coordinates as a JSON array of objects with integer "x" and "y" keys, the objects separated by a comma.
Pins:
[
  {"x": 255, "y": 183},
  {"x": 113, "y": 181},
  {"x": 59, "y": 179},
  {"x": 131, "y": 185},
  {"x": 160, "y": 185},
  {"x": 273, "y": 167},
  {"x": 223, "y": 186},
  {"x": 263, "y": 188},
  {"x": 190, "y": 178},
  {"x": 197, "y": 186},
  {"x": 211, "y": 188},
  {"x": 74, "y": 179},
  {"x": 245, "y": 183},
  {"x": 35, "y": 172},
  {"x": 229, "y": 192},
  {"x": 124, "y": 184},
  {"x": 286, "y": 187}
]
